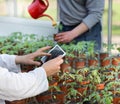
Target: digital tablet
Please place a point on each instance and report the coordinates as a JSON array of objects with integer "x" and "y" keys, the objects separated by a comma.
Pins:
[{"x": 55, "y": 51}]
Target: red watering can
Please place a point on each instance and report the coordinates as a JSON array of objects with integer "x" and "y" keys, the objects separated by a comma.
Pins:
[{"x": 37, "y": 8}]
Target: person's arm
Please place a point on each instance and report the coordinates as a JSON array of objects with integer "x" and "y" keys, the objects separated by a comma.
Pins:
[
  {"x": 95, "y": 11},
  {"x": 66, "y": 37},
  {"x": 8, "y": 62},
  {"x": 16, "y": 86},
  {"x": 12, "y": 62}
]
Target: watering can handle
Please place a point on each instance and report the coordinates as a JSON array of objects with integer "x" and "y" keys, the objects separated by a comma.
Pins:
[{"x": 47, "y": 3}]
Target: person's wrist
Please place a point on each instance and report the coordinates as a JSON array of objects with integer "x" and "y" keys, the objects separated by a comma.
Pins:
[
  {"x": 18, "y": 59},
  {"x": 73, "y": 34}
]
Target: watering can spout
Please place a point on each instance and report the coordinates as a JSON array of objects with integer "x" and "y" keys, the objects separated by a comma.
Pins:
[
  {"x": 37, "y": 9},
  {"x": 53, "y": 21}
]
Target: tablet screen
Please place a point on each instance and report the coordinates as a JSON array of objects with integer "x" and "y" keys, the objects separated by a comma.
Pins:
[{"x": 55, "y": 51}]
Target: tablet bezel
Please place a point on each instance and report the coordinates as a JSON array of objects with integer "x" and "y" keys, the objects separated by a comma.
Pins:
[{"x": 43, "y": 59}]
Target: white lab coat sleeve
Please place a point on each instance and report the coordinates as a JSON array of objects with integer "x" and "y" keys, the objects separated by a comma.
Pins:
[
  {"x": 16, "y": 86},
  {"x": 8, "y": 62}
]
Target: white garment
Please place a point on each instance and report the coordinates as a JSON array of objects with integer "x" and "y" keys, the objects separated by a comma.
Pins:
[{"x": 15, "y": 85}]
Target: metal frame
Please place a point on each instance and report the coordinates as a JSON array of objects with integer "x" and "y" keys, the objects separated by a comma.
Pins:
[
  {"x": 109, "y": 25},
  {"x": 15, "y": 8}
]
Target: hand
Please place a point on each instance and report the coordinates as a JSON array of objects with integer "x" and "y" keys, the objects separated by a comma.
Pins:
[
  {"x": 29, "y": 58},
  {"x": 53, "y": 66},
  {"x": 64, "y": 37}
]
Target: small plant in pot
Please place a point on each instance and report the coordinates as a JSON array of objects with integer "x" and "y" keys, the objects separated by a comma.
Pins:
[
  {"x": 98, "y": 94},
  {"x": 80, "y": 56},
  {"x": 93, "y": 95},
  {"x": 69, "y": 58},
  {"x": 74, "y": 90},
  {"x": 53, "y": 96},
  {"x": 92, "y": 55}
]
